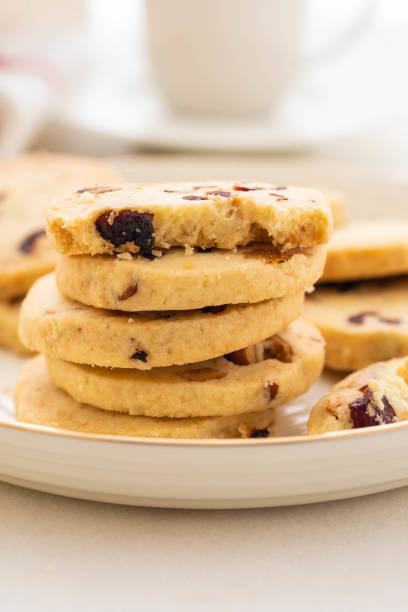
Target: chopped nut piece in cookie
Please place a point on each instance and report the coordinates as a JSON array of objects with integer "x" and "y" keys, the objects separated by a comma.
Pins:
[
  {"x": 124, "y": 256},
  {"x": 278, "y": 348},
  {"x": 271, "y": 391},
  {"x": 247, "y": 356},
  {"x": 128, "y": 292}
]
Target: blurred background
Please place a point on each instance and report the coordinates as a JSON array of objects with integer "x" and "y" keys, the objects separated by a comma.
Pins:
[{"x": 255, "y": 77}]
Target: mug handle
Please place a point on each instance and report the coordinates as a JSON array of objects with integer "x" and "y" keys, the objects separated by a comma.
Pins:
[{"x": 347, "y": 37}]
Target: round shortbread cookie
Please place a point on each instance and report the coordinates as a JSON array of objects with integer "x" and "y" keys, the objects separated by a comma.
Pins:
[
  {"x": 376, "y": 395},
  {"x": 260, "y": 377},
  {"x": 176, "y": 282},
  {"x": 9, "y": 315},
  {"x": 60, "y": 327},
  {"x": 371, "y": 249},
  {"x": 40, "y": 402},
  {"x": 362, "y": 322},
  {"x": 137, "y": 218},
  {"x": 337, "y": 203},
  {"x": 27, "y": 185}
]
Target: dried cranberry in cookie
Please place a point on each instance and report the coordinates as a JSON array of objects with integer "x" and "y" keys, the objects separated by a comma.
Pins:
[
  {"x": 366, "y": 323},
  {"x": 127, "y": 231},
  {"x": 376, "y": 395},
  {"x": 365, "y": 412}
]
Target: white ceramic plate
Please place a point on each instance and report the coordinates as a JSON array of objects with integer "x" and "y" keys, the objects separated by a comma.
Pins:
[
  {"x": 286, "y": 469},
  {"x": 289, "y": 468}
]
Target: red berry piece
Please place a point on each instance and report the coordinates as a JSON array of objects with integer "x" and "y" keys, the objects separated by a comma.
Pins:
[
  {"x": 365, "y": 412},
  {"x": 127, "y": 226}
]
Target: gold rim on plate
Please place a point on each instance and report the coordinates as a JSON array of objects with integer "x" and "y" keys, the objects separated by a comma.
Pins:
[{"x": 279, "y": 440}]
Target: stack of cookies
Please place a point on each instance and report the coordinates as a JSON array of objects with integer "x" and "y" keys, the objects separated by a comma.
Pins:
[
  {"x": 27, "y": 184},
  {"x": 174, "y": 311}
]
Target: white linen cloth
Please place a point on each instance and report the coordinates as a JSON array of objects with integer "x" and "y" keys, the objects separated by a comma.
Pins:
[
  {"x": 28, "y": 90},
  {"x": 41, "y": 48}
]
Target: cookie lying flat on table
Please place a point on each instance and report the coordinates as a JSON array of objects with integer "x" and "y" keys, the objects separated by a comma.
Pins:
[
  {"x": 176, "y": 282},
  {"x": 60, "y": 327},
  {"x": 370, "y": 249},
  {"x": 139, "y": 218},
  {"x": 362, "y": 322},
  {"x": 260, "y": 377},
  {"x": 9, "y": 315},
  {"x": 27, "y": 185},
  {"x": 40, "y": 402},
  {"x": 377, "y": 395}
]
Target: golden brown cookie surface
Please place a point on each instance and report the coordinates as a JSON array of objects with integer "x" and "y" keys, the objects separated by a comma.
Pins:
[
  {"x": 66, "y": 329},
  {"x": 264, "y": 377},
  {"x": 176, "y": 282},
  {"x": 139, "y": 218},
  {"x": 40, "y": 402}
]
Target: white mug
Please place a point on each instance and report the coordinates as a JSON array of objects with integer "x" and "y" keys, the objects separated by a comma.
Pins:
[{"x": 224, "y": 57}]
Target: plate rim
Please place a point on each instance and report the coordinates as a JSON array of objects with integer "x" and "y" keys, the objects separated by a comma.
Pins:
[{"x": 208, "y": 442}]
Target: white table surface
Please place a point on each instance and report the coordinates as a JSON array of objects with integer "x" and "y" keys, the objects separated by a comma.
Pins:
[{"x": 63, "y": 554}]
